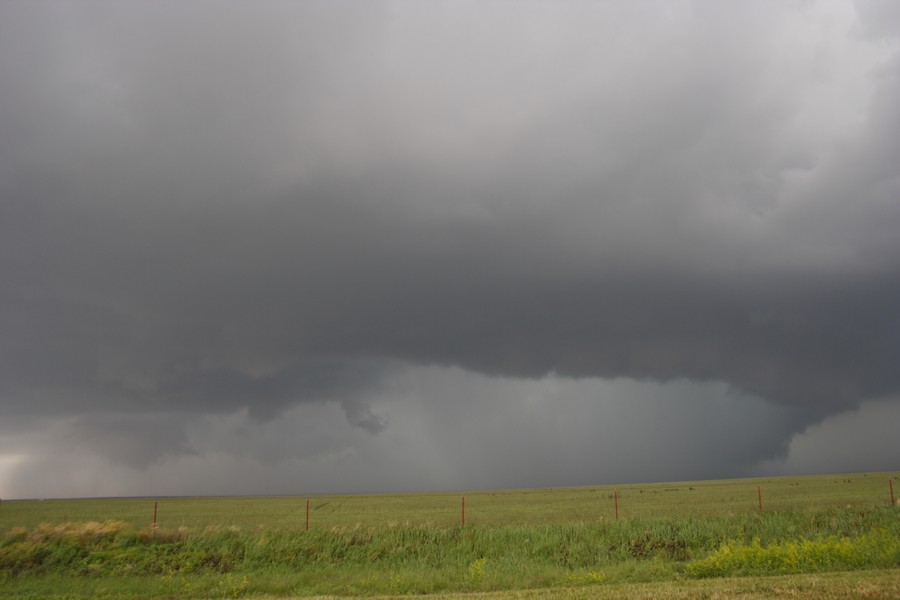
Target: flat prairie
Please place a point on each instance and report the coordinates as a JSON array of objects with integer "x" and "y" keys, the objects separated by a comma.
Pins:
[
  {"x": 485, "y": 508},
  {"x": 823, "y": 536}
]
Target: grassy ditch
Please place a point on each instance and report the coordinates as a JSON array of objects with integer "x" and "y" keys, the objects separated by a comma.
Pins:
[{"x": 116, "y": 559}]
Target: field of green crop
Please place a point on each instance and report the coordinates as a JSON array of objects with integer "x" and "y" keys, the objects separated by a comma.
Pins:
[{"x": 668, "y": 536}]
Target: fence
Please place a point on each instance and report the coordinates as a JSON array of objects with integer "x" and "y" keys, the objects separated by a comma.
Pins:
[{"x": 472, "y": 509}]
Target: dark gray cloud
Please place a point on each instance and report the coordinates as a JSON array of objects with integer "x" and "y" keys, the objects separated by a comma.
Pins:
[
  {"x": 445, "y": 430},
  {"x": 220, "y": 209}
]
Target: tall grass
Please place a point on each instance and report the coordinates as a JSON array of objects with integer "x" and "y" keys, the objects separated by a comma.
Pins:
[
  {"x": 420, "y": 559},
  {"x": 878, "y": 548}
]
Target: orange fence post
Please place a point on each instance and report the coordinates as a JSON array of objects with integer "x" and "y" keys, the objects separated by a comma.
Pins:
[{"x": 463, "y": 522}]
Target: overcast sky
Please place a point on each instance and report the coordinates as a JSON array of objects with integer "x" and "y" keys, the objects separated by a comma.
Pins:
[{"x": 307, "y": 247}]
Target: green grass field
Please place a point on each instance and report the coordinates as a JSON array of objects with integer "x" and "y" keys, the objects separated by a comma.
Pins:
[
  {"x": 674, "y": 538},
  {"x": 541, "y": 506}
]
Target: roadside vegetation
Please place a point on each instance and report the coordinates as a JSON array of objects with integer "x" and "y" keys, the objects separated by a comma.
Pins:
[{"x": 194, "y": 558}]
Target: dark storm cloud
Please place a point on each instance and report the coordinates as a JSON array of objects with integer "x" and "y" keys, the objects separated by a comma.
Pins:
[
  {"x": 554, "y": 431},
  {"x": 215, "y": 207}
]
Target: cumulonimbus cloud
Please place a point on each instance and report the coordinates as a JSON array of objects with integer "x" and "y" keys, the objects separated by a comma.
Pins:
[{"x": 219, "y": 207}]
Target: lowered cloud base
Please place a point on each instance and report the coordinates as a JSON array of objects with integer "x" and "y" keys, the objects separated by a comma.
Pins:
[{"x": 449, "y": 430}]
